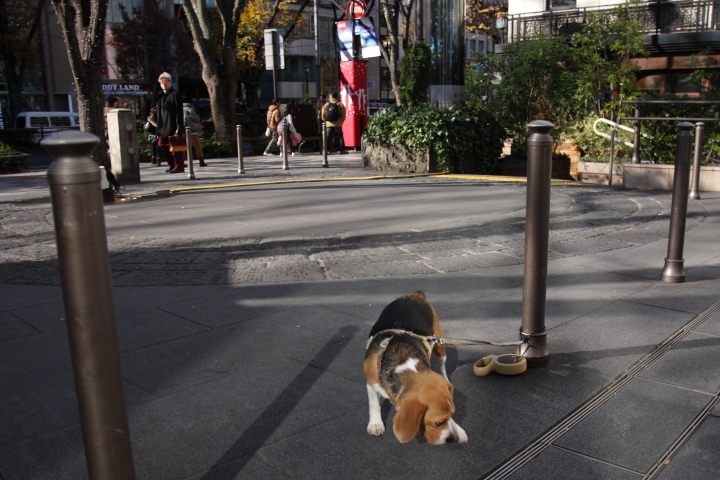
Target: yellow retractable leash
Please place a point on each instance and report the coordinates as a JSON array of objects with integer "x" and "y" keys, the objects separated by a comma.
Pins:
[{"x": 509, "y": 364}]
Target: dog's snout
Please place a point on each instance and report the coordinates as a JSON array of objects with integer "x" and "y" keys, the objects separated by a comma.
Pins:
[{"x": 450, "y": 439}]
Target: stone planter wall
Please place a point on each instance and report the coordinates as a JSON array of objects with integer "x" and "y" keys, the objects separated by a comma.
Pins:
[
  {"x": 644, "y": 176},
  {"x": 596, "y": 172},
  {"x": 660, "y": 177},
  {"x": 392, "y": 159}
]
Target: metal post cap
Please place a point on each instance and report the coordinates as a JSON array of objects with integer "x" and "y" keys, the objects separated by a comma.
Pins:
[
  {"x": 70, "y": 143},
  {"x": 685, "y": 126},
  {"x": 540, "y": 126}
]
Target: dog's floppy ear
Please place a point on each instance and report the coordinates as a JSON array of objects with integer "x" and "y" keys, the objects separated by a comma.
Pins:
[{"x": 407, "y": 419}]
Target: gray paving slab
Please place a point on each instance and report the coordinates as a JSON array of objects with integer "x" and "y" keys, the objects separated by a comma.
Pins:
[
  {"x": 603, "y": 343},
  {"x": 19, "y": 296},
  {"x": 698, "y": 458},
  {"x": 32, "y": 355},
  {"x": 560, "y": 463},
  {"x": 626, "y": 431},
  {"x": 176, "y": 365},
  {"x": 11, "y": 327},
  {"x": 482, "y": 411},
  {"x": 695, "y": 295},
  {"x": 46, "y": 402},
  {"x": 681, "y": 365},
  {"x": 711, "y": 326}
]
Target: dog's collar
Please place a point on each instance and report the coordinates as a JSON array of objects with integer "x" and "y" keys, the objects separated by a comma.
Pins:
[{"x": 428, "y": 343}]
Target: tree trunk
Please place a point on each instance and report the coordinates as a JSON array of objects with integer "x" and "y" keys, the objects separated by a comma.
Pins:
[
  {"x": 83, "y": 26},
  {"x": 220, "y": 69},
  {"x": 222, "y": 93}
]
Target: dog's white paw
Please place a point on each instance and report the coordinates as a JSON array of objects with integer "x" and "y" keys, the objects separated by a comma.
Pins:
[
  {"x": 461, "y": 435},
  {"x": 377, "y": 429}
]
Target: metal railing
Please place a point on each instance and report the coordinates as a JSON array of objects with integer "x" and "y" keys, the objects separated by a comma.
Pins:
[{"x": 656, "y": 17}]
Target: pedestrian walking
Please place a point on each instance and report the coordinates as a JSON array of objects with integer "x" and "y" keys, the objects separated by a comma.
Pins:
[
  {"x": 295, "y": 137},
  {"x": 273, "y": 119},
  {"x": 333, "y": 114},
  {"x": 169, "y": 122},
  {"x": 192, "y": 120}
]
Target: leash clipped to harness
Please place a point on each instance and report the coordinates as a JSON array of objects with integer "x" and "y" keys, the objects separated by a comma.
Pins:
[{"x": 509, "y": 364}]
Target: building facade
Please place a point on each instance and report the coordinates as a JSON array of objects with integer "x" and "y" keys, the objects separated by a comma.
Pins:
[{"x": 673, "y": 31}]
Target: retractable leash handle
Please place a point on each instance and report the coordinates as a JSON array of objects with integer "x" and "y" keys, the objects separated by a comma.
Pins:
[{"x": 510, "y": 364}]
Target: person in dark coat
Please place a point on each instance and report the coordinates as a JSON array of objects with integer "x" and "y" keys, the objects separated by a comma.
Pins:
[{"x": 170, "y": 122}]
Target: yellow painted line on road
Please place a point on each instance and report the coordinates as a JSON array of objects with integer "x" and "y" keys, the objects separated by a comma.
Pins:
[{"x": 377, "y": 177}]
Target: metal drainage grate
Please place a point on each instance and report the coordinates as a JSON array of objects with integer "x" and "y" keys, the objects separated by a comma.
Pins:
[{"x": 536, "y": 447}]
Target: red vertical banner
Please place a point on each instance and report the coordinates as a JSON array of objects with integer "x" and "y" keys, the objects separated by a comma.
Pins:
[{"x": 353, "y": 94}]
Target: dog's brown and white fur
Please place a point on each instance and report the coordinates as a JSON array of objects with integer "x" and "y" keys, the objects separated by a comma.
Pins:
[{"x": 423, "y": 398}]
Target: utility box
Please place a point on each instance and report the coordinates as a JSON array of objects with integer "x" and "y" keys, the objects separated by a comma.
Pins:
[{"x": 122, "y": 139}]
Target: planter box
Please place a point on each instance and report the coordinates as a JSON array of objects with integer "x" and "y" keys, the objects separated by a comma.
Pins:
[
  {"x": 596, "y": 172},
  {"x": 645, "y": 176},
  {"x": 660, "y": 177},
  {"x": 392, "y": 159}
]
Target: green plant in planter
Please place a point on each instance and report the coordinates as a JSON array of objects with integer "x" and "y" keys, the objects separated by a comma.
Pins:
[
  {"x": 467, "y": 140},
  {"x": 10, "y": 164},
  {"x": 415, "y": 74}
]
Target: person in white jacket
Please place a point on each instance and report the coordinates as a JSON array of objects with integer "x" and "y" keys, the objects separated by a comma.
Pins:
[{"x": 192, "y": 120}]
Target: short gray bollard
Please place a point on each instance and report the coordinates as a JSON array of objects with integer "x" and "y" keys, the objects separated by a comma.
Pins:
[
  {"x": 695, "y": 188},
  {"x": 87, "y": 293},
  {"x": 537, "y": 229},
  {"x": 674, "y": 270},
  {"x": 188, "y": 142},
  {"x": 324, "y": 145},
  {"x": 241, "y": 168},
  {"x": 284, "y": 147}
]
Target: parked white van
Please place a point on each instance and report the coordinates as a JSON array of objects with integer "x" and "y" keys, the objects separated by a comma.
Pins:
[{"x": 48, "y": 121}]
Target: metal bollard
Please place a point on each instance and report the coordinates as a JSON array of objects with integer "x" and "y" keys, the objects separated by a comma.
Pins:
[
  {"x": 284, "y": 147},
  {"x": 74, "y": 180},
  {"x": 188, "y": 138},
  {"x": 537, "y": 228},
  {"x": 324, "y": 145},
  {"x": 612, "y": 154},
  {"x": 241, "y": 168},
  {"x": 636, "y": 132},
  {"x": 674, "y": 271},
  {"x": 695, "y": 188}
]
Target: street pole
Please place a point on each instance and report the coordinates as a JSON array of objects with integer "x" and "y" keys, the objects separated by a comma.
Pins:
[
  {"x": 695, "y": 189},
  {"x": 188, "y": 137},
  {"x": 674, "y": 271},
  {"x": 317, "y": 53},
  {"x": 537, "y": 229},
  {"x": 241, "y": 168},
  {"x": 284, "y": 146},
  {"x": 77, "y": 205},
  {"x": 636, "y": 133},
  {"x": 324, "y": 146}
]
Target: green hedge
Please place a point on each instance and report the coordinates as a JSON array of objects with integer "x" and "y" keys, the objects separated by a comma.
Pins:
[{"x": 467, "y": 140}]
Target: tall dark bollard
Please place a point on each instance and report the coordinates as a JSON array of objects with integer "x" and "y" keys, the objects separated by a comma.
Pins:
[
  {"x": 695, "y": 188},
  {"x": 636, "y": 133},
  {"x": 324, "y": 145},
  {"x": 87, "y": 293},
  {"x": 284, "y": 147},
  {"x": 537, "y": 229},
  {"x": 241, "y": 168},
  {"x": 674, "y": 270},
  {"x": 188, "y": 142}
]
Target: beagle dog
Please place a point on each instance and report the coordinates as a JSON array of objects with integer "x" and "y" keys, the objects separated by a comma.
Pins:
[{"x": 397, "y": 367}]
